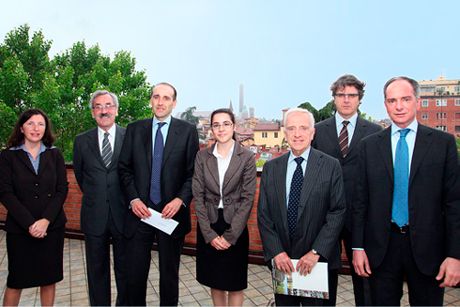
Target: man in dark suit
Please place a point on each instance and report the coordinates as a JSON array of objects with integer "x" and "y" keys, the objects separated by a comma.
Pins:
[
  {"x": 156, "y": 169},
  {"x": 339, "y": 136},
  {"x": 406, "y": 219},
  {"x": 301, "y": 207},
  {"x": 103, "y": 210}
]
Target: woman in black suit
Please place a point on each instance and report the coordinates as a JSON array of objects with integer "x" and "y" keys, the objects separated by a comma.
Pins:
[
  {"x": 33, "y": 188},
  {"x": 223, "y": 186}
]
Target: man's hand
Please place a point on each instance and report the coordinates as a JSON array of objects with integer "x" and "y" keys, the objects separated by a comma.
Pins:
[
  {"x": 361, "y": 263},
  {"x": 39, "y": 228},
  {"x": 306, "y": 263},
  {"x": 284, "y": 263},
  {"x": 171, "y": 208},
  {"x": 220, "y": 243},
  {"x": 140, "y": 209},
  {"x": 450, "y": 271}
]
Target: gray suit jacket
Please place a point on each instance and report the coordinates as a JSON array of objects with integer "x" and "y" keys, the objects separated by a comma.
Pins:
[
  {"x": 100, "y": 185},
  {"x": 237, "y": 193},
  {"x": 321, "y": 210}
]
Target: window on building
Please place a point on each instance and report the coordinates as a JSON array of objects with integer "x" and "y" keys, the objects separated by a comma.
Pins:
[
  {"x": 427, "y": 88},
  {"x": 457, "y": 89},
  {"x": 275, "y": 135},
  {"x": 457, "y": 102},
  {"x": 425, "y": 103},
  {"x": 441, "y": 115},
  {"x": 442, "y": 128},
  {"x": 424, "y": 116},
  {"x": 441, "y": 102},
  {"x": 264, "y": 135},
  {"x": 457, "y": 115},
  {"x": 457, "y": 128}
]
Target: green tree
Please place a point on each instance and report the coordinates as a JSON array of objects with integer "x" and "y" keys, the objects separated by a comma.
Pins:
[
  {"x": 62, "y": 86},
  {"x": 307, "y": 105},
  {"x": 327, "y": 111},
  {"x": 188, "y": 115}
]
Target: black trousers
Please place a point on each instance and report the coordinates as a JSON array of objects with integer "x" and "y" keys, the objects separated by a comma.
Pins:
[
  {"x": 97, "y": 250},
  {"x": 138, "y": 259},
  {"x": 386, "y": 281},
  {"x": 290, "y": 300},
  {"x": 361, "y": 288}
]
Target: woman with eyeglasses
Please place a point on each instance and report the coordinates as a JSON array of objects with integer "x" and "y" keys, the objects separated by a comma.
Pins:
[
  {"x": 223, "y": 187},
  {"x": 33, "y": 188}
]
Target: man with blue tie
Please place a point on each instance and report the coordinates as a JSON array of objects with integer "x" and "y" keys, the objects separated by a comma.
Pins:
[
  {"x": 301, "y": 207},
  {"x": 406, "y": 219},
  {"x": 156, "y": 169}
]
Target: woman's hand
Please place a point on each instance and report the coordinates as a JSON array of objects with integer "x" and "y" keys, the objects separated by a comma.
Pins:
[
  {"x": 39, "y": 228},
  {"x": 220, "y": 243}
]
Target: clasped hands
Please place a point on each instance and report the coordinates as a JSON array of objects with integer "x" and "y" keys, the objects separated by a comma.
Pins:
[
  {"x": 304, "y": 266},
  {"x": 220, "y": 243},
  {"x": 39, "y": 228}
]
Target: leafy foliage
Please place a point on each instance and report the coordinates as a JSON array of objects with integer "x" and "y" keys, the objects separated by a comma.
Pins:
[{"x": 62, "y": 86}]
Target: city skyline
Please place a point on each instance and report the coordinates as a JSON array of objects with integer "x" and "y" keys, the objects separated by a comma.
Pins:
[{"x": 283, "y": 52}]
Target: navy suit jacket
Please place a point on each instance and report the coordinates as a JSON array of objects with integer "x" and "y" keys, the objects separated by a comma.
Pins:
[
  {"x": 135, "y": 164},
  {"x": 434, "y": 211}
]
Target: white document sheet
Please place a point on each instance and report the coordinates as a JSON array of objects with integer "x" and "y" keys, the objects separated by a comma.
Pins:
[
  {"x": 317, "y": 280},
  {"x": 165, "y": 225}
]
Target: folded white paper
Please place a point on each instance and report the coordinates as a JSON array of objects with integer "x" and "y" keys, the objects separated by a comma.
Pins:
[{"x": 165, "y": 225}]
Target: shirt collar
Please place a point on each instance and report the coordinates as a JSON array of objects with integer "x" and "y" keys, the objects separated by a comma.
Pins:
[
  {"x": 339, "y": 119},
  {"x": 111, "y": 131},
  {"x": 167, "y": 121},
  {"x": 23, "y": 147},
  {"x": 218, "y": 155},
  {"x": 304, "y": 155},
  {"x": 412, "y": 126}
]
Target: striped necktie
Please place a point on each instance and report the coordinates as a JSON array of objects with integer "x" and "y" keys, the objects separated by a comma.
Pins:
[
  {"x": 343, "y": 139},
  {"x": 106, "y": 150}
]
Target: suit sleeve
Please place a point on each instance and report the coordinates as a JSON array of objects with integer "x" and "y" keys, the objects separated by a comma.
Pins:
[
  {"x": 271, "y": 241},
  {"x": 327, "y": 237},
  {"x": 78, "y": 162},
  {"x": 7, "y": 194},
  {"x": 359, "y": 206},
  {"x": 57, "y": 201},
  {"x": 185, "y": 193},
  {"x": 126, "y": 165},
  {"x": 241, "y": 216},
  {"x": 198, "y": 189},
  {"x": 452, "y": 207}
]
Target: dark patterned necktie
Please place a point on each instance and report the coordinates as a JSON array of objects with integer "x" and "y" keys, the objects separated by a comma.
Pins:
[
  {"x": 157, "y": 158},
  {"x": 294, "y": 196},
  {"x": 106, "y": 150},
  {"x": 343, "y": 139}
]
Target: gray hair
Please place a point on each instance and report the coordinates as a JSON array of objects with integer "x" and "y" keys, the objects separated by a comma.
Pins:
[
  {"x": 100, "y": 93},
  {"x": 299, "y": 110},
  {"x": 412, "y": 82}
]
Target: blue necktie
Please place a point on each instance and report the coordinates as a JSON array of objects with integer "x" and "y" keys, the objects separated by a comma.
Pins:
[
  {"x": 155, "y": 177},
  {"x": 294, "y": 196},
  {"x": 400, "y": 212}
]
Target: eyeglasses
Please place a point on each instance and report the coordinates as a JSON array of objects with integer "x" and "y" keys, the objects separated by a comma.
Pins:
[
  {"x": 100, "y": 107},
  {"x": 342, "y": 95},
  {"x": 224, "y": 124}
]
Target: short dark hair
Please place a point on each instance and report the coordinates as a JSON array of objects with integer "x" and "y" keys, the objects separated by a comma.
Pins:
[
  {"x": 17, "y": 137},
  {"x": 229, "y": 113},
  {"x": 348, "y": 80},
  {"x": 412, "y": 82},
  {"x": 168, "y": 84}
]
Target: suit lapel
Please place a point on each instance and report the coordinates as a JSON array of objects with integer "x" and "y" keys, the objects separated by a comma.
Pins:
[
  {"x": 385, "y": 150},
  {"x": 332, "y": 135},
  {"x": 93, "y": 145},
  {"x": 173, "y": 135},
  {"x": 234, "y": 166},
  {"x": 24, "y": 157},
  {"x": 211, "y": 164},
  {"x": 360, "y": 129},
  {"x": 117, "y": 147},
  {"x": 311, "y": 174},
  {"x": 423, "y": 142}
]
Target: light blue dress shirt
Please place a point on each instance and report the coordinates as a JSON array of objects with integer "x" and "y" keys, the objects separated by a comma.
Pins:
[{"x": 291, "y": 166}]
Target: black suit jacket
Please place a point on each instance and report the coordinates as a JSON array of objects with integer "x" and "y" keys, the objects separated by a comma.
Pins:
[
  {"x": 135, "y": 164},
  {"x": 100, "y": 185},
  {"x": 29, "y": 197},
  {"x": 321, "y": 209},
  {"x": 327, "y": 141},
  {"x": 434, "y": 213}
]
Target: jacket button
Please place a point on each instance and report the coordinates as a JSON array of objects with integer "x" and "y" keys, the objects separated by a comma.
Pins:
[
  {"x": 36, "y": 184},
  {"x": 49, "y": 195},
  {"x": 36, "y": 196}
]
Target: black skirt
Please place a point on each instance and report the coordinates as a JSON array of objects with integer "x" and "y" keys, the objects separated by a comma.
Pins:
[
  {"x": 223, "y": 270},
  {"x": 34, "y": 262}
]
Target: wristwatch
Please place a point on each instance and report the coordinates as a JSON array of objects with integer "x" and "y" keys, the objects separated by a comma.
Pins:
[{"x": 314, "y": 251}]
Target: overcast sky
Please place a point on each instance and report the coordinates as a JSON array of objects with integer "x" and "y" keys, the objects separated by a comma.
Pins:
[{"x": 284, "y": 52}]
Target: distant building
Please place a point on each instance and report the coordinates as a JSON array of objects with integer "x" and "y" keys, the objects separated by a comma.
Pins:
[
  {"x": 268, "y": 134},
  {"x": 440, "y": 105}
]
